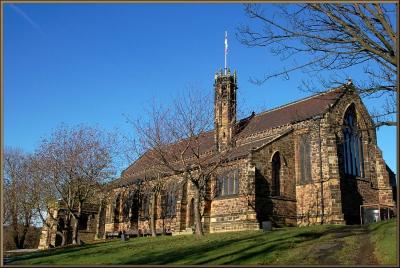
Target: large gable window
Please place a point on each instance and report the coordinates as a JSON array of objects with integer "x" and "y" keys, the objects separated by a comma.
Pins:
[
  {"x": 352, "y": 145},
  {"x": 305, "y": 159},
  {"x": 228, "y": 183}
]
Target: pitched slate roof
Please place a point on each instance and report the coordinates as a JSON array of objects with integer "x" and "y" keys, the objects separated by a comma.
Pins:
[
  {"x": 292, "y": 112},
  {"x": 284, "y": 115}
]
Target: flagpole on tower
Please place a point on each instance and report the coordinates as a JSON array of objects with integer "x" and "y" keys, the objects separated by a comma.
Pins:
[{"x": 226, "y": 49}]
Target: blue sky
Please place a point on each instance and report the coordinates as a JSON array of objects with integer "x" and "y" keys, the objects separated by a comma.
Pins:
[{"x": 93, "y": 63}]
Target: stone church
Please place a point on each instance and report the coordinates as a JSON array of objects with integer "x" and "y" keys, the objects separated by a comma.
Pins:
[{"x": 315, "y": 160}]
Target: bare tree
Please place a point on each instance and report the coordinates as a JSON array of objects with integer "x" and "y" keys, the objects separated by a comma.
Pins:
[
  {"x": 168, "y": 203},
  {"x": 153, "y": 185},
  {"x": 101, "y": 192},
  {"x": 146, "y": 191},
  {"x": 46, "y": 199},
  {"x": 332, "y": 37},
  {"x": 20, "y": 197},
  {"x": 75, "y": 162},
  {"x": 173, "y": 143}
]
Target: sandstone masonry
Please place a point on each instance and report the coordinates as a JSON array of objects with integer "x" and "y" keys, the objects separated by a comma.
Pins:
[{"x": 311, "y": 161}]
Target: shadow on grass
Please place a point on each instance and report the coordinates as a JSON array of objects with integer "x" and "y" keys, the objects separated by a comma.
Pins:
[
  {"x": 189, "y": 253},
  {"x": 233, "y": 250},
  {"x": 257, "y": 248},
  {"x": 56, "y": 251},
  {"x": 344, "y": 231}
]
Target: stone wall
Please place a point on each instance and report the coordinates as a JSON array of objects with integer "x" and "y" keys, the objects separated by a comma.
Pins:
[
  {"x": 48, "y": 234},
  {"x": 385, "y": 190},
  {"x": 318, "y": 199},
  {"x": 279, "y": 208},
  {"x": 233, "y": 212},
  {"x": 329, "y": 195},
  {"x": 343, "y": 194},
  {"x": 373, "y": 186},
  {"x": 333, "y": 196}
]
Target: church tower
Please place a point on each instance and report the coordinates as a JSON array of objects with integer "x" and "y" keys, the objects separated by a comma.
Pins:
[{"x": 225, "y": 85}]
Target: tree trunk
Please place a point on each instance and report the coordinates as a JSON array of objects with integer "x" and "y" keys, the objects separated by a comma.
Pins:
[
  {"x": 16, "y": 238},
  {"x": 19, "y": 236},
  {"x": 15, "y": 227},
  {"x": 197, "y": 215},
  {"x": 21, "y": 241},
  {"x": 75, "y": 231},
  {"x": 17, "y": 241},
  {"x": 153, "y": 214},
  {"x": 97, "y": 236},
  {"x": 65, "y": 230},
  {"x": 62, "y": 238}
]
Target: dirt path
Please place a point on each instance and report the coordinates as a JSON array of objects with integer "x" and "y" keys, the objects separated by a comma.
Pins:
[
  {"x": 324, "y": 253},
  {"x": 365, "y": 255},
  {"x": 348, "y": 245}
]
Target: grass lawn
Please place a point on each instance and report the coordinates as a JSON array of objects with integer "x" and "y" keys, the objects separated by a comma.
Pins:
[
  {"x": 383, "y": 236},
  {"x": 305, "y": 245}
]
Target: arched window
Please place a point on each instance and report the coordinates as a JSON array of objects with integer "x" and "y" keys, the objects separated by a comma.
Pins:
[
  {"x": 276, "y": 170},
  {"x": 83, "y": 222},
  {"x": 191, "y": 213},
  {"x": 305, "y": 158},
  {"x": 353, "y": 160},
  {"x": 126, "y": 207},
  {"x": 117, "y": 208},
  {"x": 168, "y": 201},
  {"x": 228, "y": 183},
  {"x": 134, "y": 209},
  {"x": 145, "y": 205}
]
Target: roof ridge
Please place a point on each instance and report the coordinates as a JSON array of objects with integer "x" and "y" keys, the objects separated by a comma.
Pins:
[{"x": 300, "y": 100}]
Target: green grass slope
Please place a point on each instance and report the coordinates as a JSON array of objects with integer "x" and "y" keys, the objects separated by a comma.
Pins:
[
  {"x": 383, "y": 236},
  {"x": 305, "y": 245}
]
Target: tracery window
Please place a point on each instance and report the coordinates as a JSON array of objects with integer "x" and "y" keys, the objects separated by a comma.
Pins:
[
  {"x": 117, "y": 208},
  {"x": 170, "y": 204},
  {"x": 168, "y": 201},
  {"x": 126, "y": 206},
  {"x": 228, "y": 183},
  {"x": 353, "y": 157},
  {"x": 145, "y": 205}
]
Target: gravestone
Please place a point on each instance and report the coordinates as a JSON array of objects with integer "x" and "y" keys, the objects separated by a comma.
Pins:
[{"x": 267, "y": 226}]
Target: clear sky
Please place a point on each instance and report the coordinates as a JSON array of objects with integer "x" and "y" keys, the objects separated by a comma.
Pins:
[{"x": 93, "y": 63}]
